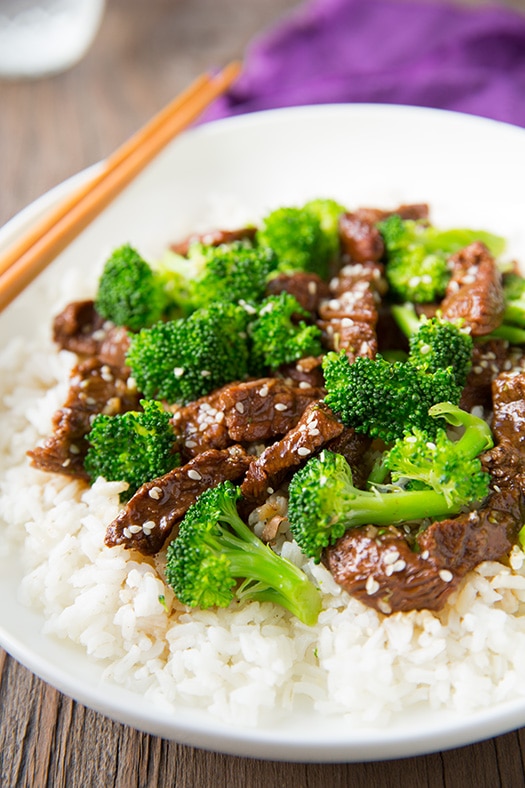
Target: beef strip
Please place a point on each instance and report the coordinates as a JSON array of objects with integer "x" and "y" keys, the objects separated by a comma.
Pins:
[
  {"x": 247, "y": 412},
  {"x": 80, "y": 329},
  {"x": 506, "y": 461},
  {"x": 488, "y": 360},
  {"x": 151, "y": 515},
  {"x": 414, "y": 211},
  {"x": 77, "y": 328},
  {"x": 354, "y": 446},
  {"x": 316, "y": 427},
  {"x": 474, "y": 292},
  {"x": 94, "y": 388},
  {"x": 360, "y": 239},
  {"x": 349, "y": 317},
  {"x": 200, "y": 426},
  {"x": 213, "y": 238},
  {"x": 259, "y": 410},
  {"x": 308, "y": 289}
]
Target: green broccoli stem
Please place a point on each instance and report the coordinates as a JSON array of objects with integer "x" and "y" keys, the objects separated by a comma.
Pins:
[
  {"x": 286, "y": 584},
  {"x": 406, "y": 318},
  {"x": 512, "y": 334},
  {"x": 401, "y": 506},
  {"x": 515, "y": 313},
  {"x": 477, "y": 436},
  {"x": 379, "y": 472}
]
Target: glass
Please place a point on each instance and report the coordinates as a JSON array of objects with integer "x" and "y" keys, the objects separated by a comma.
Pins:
[{"x": 41, "y": 37}]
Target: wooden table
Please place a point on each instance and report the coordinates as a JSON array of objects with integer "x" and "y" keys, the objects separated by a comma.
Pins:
[{"x": 147, "y": 51}]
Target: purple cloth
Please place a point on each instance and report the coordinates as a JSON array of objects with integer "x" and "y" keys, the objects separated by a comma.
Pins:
[{"x": 469, "y": 59}]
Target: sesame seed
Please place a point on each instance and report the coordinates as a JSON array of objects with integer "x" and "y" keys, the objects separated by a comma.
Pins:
[
  {"x": 178, "y": 372},
  {"x": 312, "y": 288},
  {"x": 90, "y": 401},
  {"x": 263, "y": 391},
  {"x": 205, "y": 373},
  {"x": 66, "y": 463},
  {"x": 425, "y": 555},
  {"x": 424, "y": 349},
  {"x": 303, "y": 384},
  {"x": 155, "y": 493},
  {"x": 127, "y": 533},
  {"x": 384, "y": 607},
  {"x": 477, "y": 370},
  {"x": 399, "y": 565},
  {"x": 135, "y": 529},
  {"x": 239, "y": 407},
  {"x": 247, "y": 307},
  {"x": 372, "y": 586},
  {"x": 191, "y": 444},
  {"x": 270, "y": 490},
  {"x": 314, "y": 432},
  {"x": 149, "y": 524},
  {"x": 303, "y": 451},
  {"x": 431, "y": 445},
  {"x": 280, "y": 406},
  {"x": 445, "y": 575},
  {"x": 391, "y": 557},
  {"x": 219, "y": 416},
  {"x": 74, "y": 449},
  {"x": 195, "y": 475}
]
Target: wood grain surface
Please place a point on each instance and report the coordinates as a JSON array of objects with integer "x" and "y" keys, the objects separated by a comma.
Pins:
[{"x": 146, "y": 52}]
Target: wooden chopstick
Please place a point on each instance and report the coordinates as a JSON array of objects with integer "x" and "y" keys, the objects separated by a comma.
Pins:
[{"x": 25, "y": 259}]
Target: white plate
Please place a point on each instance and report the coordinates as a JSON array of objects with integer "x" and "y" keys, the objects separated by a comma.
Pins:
[{"x": 471, "y": 171}]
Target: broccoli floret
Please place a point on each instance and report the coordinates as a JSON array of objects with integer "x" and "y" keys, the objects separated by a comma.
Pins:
[
  {"x": 417, "y": 253},
  {"x": 134, "y": 447},
  {"x": 175, "y": 273},
  {"x": 451, "y": 468},
  {"x": 328, "y": 212},
  {"x": 129, "y": 293},
  {"x": 324, "y": 503},
  {"x": 385, "y": 400},
  {"x": 181, "y": 360},
  {"x": 278, "y": 335},
  {"x": 297, "y": 238},
  {"x": 215, "y": 549},
  {"x": 230, "y": 272},
  {"x": 435, "y": 343}
]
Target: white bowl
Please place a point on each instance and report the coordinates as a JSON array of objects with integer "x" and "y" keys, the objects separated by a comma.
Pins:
[{"x": 470, "y": 170}]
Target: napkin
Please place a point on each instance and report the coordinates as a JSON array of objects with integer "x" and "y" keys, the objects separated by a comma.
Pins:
[{"x": 469, "y": 59}]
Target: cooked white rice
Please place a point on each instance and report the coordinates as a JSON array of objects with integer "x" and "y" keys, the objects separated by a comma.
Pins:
[{"x": 241, "y": 662}]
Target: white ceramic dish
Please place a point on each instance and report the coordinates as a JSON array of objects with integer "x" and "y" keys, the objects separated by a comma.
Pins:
[{"x": 470, "y": 170}]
